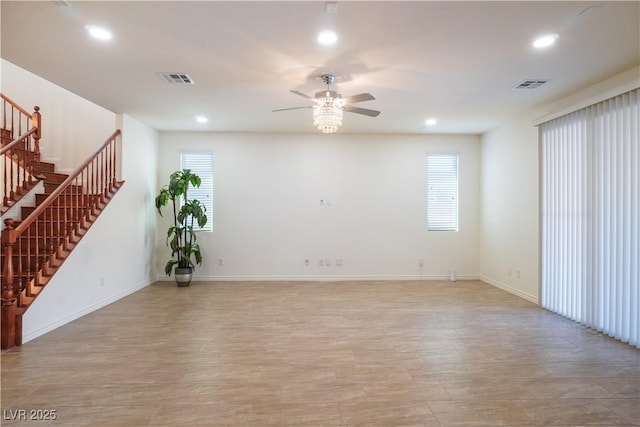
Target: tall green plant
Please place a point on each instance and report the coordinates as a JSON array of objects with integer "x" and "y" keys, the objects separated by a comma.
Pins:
[{"x": 180, "y": 236}]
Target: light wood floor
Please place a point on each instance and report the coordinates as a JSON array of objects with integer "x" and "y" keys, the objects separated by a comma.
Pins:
[{"x": 324, "y": 354}]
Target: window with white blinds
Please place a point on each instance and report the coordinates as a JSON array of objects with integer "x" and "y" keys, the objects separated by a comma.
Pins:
[
  {"x": 442, "y": 192},
  {"x": 201, "y": 164},
  {"x": 590, "y": 209}
]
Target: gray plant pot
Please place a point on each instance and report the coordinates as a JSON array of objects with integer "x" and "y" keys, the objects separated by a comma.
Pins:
[{"x": 183, "y": 276}]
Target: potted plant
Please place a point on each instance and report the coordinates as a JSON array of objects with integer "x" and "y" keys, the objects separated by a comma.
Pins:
[{"x": 181, "y": 237}]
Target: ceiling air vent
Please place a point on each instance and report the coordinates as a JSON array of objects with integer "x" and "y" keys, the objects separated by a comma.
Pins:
[
  {"x": 531, "y": 84},
  {"x": 180, "y": 78}
]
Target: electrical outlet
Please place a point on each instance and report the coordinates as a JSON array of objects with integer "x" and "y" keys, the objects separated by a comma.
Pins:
[
  {"x": 339, "y": 262},
  {"x": 517, "y": 274},
  {"x": 220, "y": 262},
  {"x": 306, "y": 263},
  {"x": 327, "y": 263},
  {"x": 320, "y": 263}
]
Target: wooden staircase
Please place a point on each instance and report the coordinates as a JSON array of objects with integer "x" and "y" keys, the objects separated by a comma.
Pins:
[
  {"x": 35, "y": 247},
  {"x": 51, "y": 181}
]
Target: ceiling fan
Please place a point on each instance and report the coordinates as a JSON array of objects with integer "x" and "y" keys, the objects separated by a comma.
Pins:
[{"x": 329, "y": 105}]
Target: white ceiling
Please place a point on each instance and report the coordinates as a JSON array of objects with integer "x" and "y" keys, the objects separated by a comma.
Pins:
[{"x": 457, "y": 61}]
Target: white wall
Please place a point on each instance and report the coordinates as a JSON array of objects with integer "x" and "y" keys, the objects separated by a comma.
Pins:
[
  {"x": 72, "y": 127},
  {"x": 510, "y": 199},
  {"x": 115, "y": 257},
  {"x": 268, "y": 218},
  {"x": 139, "y": 170},
  {"x": 509, "y": 242}
]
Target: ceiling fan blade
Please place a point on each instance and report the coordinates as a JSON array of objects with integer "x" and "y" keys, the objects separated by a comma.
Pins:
[
  {"x": 358, "y": 98},
  {"x": 358, "y": 110},
  {"x": 304, "y": 95},
  {"x": 291, "y": 108}
]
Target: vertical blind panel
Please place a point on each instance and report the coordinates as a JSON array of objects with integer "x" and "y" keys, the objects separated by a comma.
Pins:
[
  {"x": 590, "y": 197},
  {"x": 566, "y": 214},
  {"x": 202, "y": 165},
  {"x": 442, "y": 192}
]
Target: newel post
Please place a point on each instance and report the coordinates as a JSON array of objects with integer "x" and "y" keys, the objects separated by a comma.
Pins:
[
  {"x": 36, "y": 122},
  {"x": 8, "y": 333}
]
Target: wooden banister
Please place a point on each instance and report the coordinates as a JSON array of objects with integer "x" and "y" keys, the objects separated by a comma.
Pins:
[
  {"x": 65, "y": 184},
  {"x": 17, "y": 141},
  {"x": 15, "y": 105}
]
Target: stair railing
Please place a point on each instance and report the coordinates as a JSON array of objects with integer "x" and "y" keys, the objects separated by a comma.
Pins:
[
  {"x": 20, "y": 133},
  {"x": 36, "y": 246}
]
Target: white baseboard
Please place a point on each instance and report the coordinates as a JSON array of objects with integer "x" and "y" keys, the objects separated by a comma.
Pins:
[
  {"x": 513, "y": 291},
  {"x": 319, "y": 278},
  {"x": 54, "y": 325}
]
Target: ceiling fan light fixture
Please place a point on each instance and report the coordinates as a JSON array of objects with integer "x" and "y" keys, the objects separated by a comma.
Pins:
[
  {"x": 330, "y": 106},
  {"x": 327, "y": 115}
]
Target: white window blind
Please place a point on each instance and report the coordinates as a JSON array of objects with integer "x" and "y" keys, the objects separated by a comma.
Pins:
[
  {"x": 442, "y": 192},
  {"x": 201, "y": 164},
  {"x": 590, "y": 202}
]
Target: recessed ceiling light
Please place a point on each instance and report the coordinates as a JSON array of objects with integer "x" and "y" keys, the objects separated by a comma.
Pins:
[
  {"x": 545, "y": 41},
  {"x": 431, "y": 121},
  {"x": 201, "y": 119},
  {"x": 98, "y": 32},
  {"x": 327, "y": 37}
]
